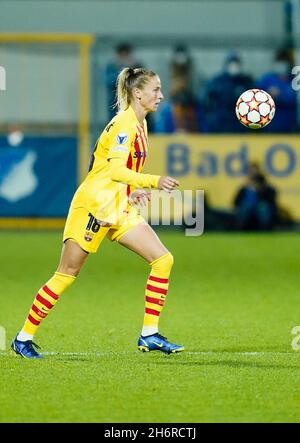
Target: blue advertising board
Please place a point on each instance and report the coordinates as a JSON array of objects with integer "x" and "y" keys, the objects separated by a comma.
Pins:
[{"x": 38, "y": 177}]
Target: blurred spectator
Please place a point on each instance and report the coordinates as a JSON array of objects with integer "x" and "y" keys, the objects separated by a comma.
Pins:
[
  {"x": 253, "y": 168},
  {"x": 220, "y": 94},
  {"x": 255, "y": 203},
  {"x": 181, "y": 68},
  {"x": 179, "y": 113},
  {"x": 278, "y": 83},
  {"x": 123, "y": 58}
]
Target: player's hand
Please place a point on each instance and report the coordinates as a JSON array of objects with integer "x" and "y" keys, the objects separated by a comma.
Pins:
[
  {"x": 140, "y": 197},
  {"x": 167, "y": 184}
]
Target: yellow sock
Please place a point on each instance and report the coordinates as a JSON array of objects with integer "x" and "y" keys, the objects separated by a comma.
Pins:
[
  {"x": 156, "y": 292},
  {"x": 45, "y": 299}
]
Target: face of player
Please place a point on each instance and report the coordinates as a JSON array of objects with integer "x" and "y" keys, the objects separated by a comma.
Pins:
[{"x": 150, "y": 96}]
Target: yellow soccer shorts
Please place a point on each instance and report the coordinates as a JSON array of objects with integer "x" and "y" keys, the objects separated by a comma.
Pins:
[{"x": 83, "y": 227}]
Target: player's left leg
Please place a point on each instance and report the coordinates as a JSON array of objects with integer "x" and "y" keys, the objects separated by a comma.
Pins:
[{"x": 142, "y": 240}]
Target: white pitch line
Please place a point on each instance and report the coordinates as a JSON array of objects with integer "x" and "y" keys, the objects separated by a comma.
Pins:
[
  {"x": 92, "y": 354},
  {"x": 185, "y": 352},
  {"x": 241, "y": 353}
]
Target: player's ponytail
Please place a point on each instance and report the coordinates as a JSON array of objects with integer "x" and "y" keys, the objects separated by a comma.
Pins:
[
  {"x": 128, "y": 79},
  {"x": 123, "y": 99}
]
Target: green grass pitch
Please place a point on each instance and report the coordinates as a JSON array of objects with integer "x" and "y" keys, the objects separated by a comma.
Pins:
[{"x": 233, "y": 302}]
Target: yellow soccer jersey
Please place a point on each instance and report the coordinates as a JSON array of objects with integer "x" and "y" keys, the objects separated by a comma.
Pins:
[{"x": 123, "y": 138}]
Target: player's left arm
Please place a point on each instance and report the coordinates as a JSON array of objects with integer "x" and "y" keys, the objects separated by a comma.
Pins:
[
  {"x": 118, "y": 152},
  {"x": 120, "y": 142},
  {"x": 120, "y": 173}
]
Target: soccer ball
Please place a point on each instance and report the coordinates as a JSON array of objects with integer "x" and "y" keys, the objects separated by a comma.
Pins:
[{"x": 255, "y": 108}]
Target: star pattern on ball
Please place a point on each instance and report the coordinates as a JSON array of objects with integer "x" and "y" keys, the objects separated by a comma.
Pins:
[
  {"x": 253, "y": 105},
  {"x": 255, "y": 108},
  {"x": 244, "y": 120},
  {"x": 264, "y": 121}
]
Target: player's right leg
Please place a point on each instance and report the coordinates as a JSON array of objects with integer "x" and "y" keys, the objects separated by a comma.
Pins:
[
  {"x": 82, "y": 235},
  {"x": 142, "y": 240}
]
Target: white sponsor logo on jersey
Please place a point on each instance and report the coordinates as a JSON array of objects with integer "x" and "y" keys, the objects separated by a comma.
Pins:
[{"x": 120, "y": 149}]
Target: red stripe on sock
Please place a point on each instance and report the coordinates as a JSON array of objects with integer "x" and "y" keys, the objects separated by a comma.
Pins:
[
  {"x": 159, "y": 280},
  {"x": 33, "y": 320},
  {"x": 156, "y": 301},
  {"x": 44, "y": 301},
  {"x": 155, "y": 289},
  {"x": 49, "y": 292},
  {"x": 38, "y": 311},
  {"x": 152, "y": 311}
]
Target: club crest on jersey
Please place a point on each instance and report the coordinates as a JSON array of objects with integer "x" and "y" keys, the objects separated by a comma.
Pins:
[
  {"x": 122, "y": 138},
  {"x": 88, "y": 236}
]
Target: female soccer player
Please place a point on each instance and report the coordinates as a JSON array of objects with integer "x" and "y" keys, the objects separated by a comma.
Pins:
[{"x": 102, "y": 205}]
